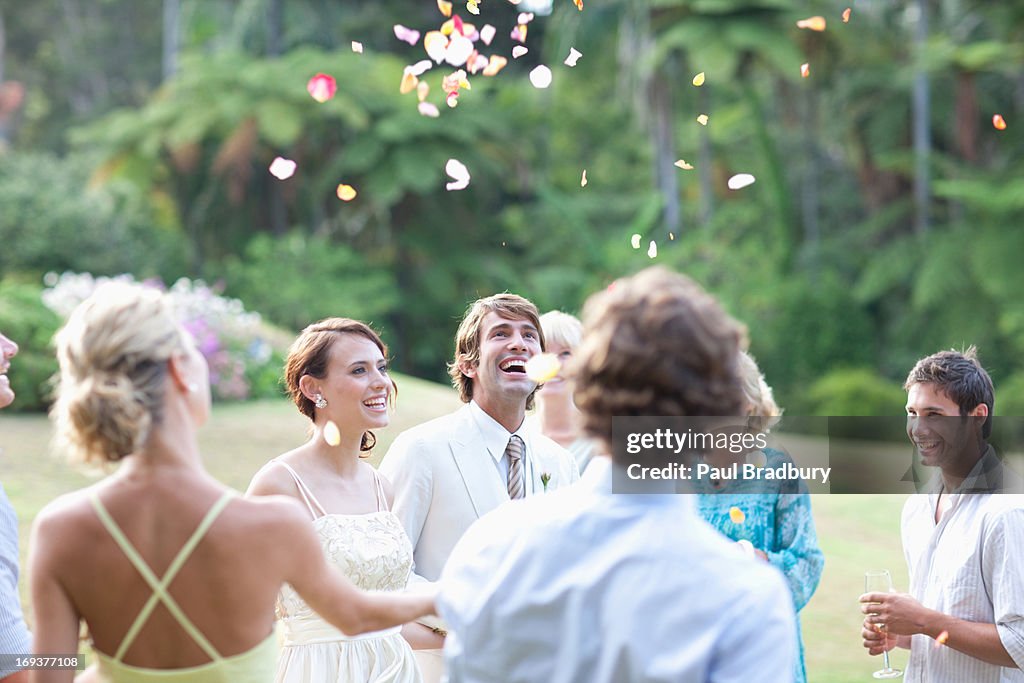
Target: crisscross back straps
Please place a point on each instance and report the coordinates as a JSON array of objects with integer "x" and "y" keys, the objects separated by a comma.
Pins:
[{"x": 159, "y": 586}]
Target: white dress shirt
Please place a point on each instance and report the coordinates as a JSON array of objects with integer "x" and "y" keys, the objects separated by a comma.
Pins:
[
  {"x": 582, "y": 585},
  {"x": 968, "y": 566},
  {"x": 496, "y": 438}
]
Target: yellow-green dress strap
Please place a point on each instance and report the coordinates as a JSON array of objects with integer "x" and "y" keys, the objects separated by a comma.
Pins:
[{"x": 159, "y": 586}]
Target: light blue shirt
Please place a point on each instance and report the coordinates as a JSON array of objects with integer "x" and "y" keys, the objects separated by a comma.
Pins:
[
  {"x": 14, "y": 637},
  {"x": 582, "y": 585}
]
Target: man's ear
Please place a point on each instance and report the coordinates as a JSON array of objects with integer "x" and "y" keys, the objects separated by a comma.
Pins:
[
  {"x": 466, "y": 368},
  {"x": 309, "y": 386},
  {"x": 980, "y": 410}
]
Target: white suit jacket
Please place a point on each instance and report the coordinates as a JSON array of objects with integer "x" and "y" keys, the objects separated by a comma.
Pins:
[{"x": 444, "y": 480}]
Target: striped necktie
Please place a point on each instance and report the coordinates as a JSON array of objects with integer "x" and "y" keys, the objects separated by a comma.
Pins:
[{"x": 514, "y": 451}]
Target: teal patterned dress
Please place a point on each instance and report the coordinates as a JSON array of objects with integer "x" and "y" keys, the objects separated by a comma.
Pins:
[{"x": 777, "y": 521}]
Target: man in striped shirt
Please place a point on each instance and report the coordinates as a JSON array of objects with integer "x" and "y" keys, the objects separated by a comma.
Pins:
[
  {"x": 963, "y": 619},
  {"x": 14, "y": 638}
]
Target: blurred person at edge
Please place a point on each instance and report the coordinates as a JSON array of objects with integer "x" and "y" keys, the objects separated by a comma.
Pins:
[{"x": 14, "y": 635}]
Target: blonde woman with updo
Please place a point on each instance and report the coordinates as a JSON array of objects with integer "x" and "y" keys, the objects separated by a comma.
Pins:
[
  {"x": 557, "y": 416},
  {"x": 337, "y": 375},
  {"x": 174, "y": 574}
]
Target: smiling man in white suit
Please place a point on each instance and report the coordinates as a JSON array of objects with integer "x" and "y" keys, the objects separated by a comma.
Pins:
[{"x": 448, "y": 472}]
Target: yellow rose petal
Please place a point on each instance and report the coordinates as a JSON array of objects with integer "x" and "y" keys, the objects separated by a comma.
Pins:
[
  {"x": 702, "y": 119},
  {"x": 542, "y": 367},
  {"x": 698, "y": 80},
  {"x": 736, "y": 515},
  {"x": 346, "y": 193},
  {"x": 684, "y": 165},
  {"x": 812, "y": 23}
]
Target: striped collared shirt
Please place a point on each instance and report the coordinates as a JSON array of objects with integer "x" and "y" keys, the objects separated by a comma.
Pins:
[{"x": 14, "y": 637}]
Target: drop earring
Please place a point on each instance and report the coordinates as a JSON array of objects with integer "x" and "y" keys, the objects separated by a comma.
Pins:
[{"x": 320, "y": 402}]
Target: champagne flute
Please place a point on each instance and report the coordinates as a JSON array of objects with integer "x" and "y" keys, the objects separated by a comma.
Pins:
[{"x": 880, "y": 581}]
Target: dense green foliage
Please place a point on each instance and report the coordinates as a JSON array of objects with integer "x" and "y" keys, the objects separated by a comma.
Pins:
[
  {"x": 828, "y": 257},
  {"x": 24, "y": 318}
]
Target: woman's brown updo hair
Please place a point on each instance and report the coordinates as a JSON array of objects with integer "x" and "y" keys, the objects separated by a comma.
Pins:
[
  {"x": 310, "y": 354},
  {"x": 113, "y": 354}
]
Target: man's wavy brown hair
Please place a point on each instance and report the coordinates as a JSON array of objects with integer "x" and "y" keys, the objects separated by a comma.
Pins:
[{"x": 656, "y": 344}]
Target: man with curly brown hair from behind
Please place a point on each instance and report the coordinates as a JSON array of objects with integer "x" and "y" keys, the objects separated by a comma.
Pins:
[{"x": 589, "y": 586}]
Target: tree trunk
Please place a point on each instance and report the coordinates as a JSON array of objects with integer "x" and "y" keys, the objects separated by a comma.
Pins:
[
  {"x": 922, "y": 117},
  {"x": 275, "y": 27},
  {"x": 172, "y": 37},
  {"x": 663, "y": 138}
]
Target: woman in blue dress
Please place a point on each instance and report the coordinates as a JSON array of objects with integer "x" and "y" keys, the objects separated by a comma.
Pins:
[{"x": 774, "y": 524}]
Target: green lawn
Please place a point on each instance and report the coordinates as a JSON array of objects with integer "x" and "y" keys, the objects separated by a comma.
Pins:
[{"x": 856, "y": 532}]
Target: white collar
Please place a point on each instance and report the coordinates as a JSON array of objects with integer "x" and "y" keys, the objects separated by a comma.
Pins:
[{"x": 494, "y": 435}]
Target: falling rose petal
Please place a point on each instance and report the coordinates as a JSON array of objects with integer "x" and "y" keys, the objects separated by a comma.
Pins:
[
  {"x": 452, "y": 100},
  {"x": 420, "y": 67},
  {"x": 444, "y": 7},
  {"x": 542, "y": 367},
  {"x": 458, "y": 173},
  {"x": 652, "y": 251},
  {"x": 740, "y": 180},
  {"x": 454, "y": 81},
  {"x": 525, "y": 18},
  {"x": 805, "y": 70},
  {"x": 698, "y": 80},
  {"x": 459, "y": 50},
  {"x": 941, "y": 639},
  {"x": 846, "y": 15},
  {"x": 496, "y": 64},
  {"x": 282, "y": 168},
  {"x": 518, "y": 51},
  {"x": 409, "y": 82},
  {"x": 357, "y": 47},
  {"x": 671, "y": 236},
  {"x": 540, "y": 77},
  {"x": 422, "y": 90},
  {"x": 436, "y": 45},
  {"x": 702, "y": 119},
  {"x": 635, "y": 241},
  {"x": 736, "y": 515},
  {"x": 812, "y": 23},
  {"x": 346, "y": 193},
  {"x": 519, "y": 33},
  {"x": 579, "y": 4},
  {"x": 583, "y": 180},
  {"x": 472, "y": 7},
  {"x": 998, "y": 122},
  {"x": 332, "y": 435},
  {"x": 684, "y": 165},
  {"x": 457, "y": 26},
  {"x": 429, "y": 109},
  {"x": 487, "y": 34},
  {"x": 407, "y": 34},
  {"x": 477, "y": 62},
  {"x": 322, "y": 87},
  {"x": 574, "y": 56}
]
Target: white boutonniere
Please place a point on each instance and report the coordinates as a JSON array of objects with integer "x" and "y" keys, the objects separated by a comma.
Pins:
[{"x": 545, "y": 479}]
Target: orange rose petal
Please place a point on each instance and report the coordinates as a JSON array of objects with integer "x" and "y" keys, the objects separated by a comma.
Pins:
[
  {"x": 445, "y": 7},
  {"x": 579, "y": 4},
  {"x": 496, "y": 64},
  {"x": 812, "y": 23},
  {"x": 736, "y": 515},
  {"x": 409, "y": 82},
  {"x": 346, "y": 193},
  {"x": 846, "y": 15},
  {"x": 998, "y": 122},
  {"x": 805, "y": 70},
  {"x": 941, "y": 639}
]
